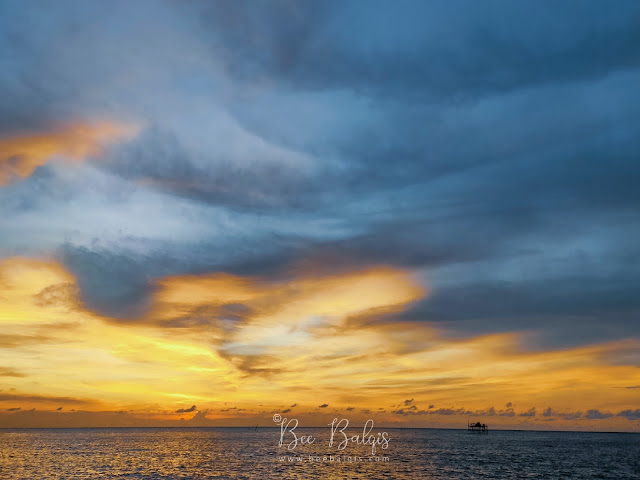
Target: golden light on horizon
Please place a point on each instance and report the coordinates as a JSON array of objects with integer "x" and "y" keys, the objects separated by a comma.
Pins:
[{"x": 293, "y": 340}]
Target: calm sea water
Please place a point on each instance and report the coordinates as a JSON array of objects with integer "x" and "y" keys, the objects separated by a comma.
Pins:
[{"x": 242, "y": 453}]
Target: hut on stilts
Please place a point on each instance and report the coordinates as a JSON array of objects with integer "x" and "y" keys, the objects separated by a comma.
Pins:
[{"x": 477, "y": 427}]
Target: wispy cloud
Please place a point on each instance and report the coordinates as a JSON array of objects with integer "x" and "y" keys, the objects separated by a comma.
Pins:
[
  {"x": 10, "y": 372},
  {"x": 20, "y": 155}
]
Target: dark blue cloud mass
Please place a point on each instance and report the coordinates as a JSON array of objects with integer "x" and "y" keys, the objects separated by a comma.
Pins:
[{"x": 489, "y": 147}]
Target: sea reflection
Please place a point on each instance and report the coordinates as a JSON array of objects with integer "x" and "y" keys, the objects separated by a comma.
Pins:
[{"x": 247, "y": 453}]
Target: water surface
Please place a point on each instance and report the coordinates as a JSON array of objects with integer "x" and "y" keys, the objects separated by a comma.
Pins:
[{"x": 243, "y": 453}]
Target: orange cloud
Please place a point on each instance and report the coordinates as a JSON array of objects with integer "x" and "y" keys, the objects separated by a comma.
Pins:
[
  {"x": 21, "y": 155},
  {"x": 214, "y": 339}
]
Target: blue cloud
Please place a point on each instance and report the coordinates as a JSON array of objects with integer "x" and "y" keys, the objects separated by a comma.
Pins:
[{"x": 490, "y": 149}]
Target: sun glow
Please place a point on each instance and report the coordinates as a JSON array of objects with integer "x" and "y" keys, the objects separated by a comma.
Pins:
[{"x": 218, "y": 339}]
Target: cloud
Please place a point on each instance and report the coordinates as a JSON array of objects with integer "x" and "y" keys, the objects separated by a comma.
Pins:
[
  {"x": 491, "y": 412},
  {"x": 256, "y": 175},
  {"x": 417, "y": 60},
  {"x": 446, "y": 411},
  {"x": 347, "y": 174},
  {"x": 192, "y": 408},
  {"x": 324, "y": 405},
  {"x": 13, "y": 340},
  {"x": 314, "y": 180},
  {"x": 200, "y": 419},
  {"x": 10, "y": 372},
  {"x": 597, "y": 415},
  {"x": 529, "y": 413},
  {"x": 408, "y": 402},
  {"x": 108, "y": 282},
  {"x": 413, "y": 410},
  {"x": 61, "y": 294},
  {"x": 21, "y": 155},
  {"x": 253, "y": 364},
  {"x": 566, "y": 415},
  {"x": 630, "y": 414},
  {"x": 570, "y": 415},
  {"x": 17, "y": 397}
]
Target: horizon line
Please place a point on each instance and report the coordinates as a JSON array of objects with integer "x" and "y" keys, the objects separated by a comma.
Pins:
[{"x": 304, "y": 426}]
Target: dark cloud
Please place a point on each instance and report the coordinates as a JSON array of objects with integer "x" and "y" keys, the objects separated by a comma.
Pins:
[
  {"x": 491, "y": 412},
  {"x": 555, "y": 306},
  {"x": 415, "y": 411},
  {"x": 45, "y": 83},
  {"x": 257, "y": 182},
  {"x": 200, "y": 419},
  {"x": 494, "y": 156},
  {"x": 192, "y": 408},
  {"x": 484, "y": 49},
  {"x": 597, "y": 415},
  {"x": 445, "y": 411},
  {"x": 565, "y": 415},
  {"x": 324, "y": 405},
  {"x": 251, "y": 364},
  {"x": 570, "y": 415},
  {"x": 217, "y": 316},
  {"x": 112, "y": 283},
  {"x": 630, "y": 414},
  {"x": 440, "y": 411},
  {"x": 529, "y": 413}
]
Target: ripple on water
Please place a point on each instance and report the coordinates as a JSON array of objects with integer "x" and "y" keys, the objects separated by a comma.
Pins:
[{"x": 228, "y": 453}]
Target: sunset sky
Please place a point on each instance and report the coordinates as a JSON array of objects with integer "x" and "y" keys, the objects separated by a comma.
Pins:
[{"x": 414, "y": 212}]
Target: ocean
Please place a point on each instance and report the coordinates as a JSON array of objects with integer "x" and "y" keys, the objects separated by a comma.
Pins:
[{"x": 247, "y": 453}]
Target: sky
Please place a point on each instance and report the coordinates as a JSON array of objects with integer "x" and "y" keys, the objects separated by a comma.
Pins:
[{"x": 414, "y": 212}]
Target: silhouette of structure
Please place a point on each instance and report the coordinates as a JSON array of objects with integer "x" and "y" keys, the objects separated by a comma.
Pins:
[{"x": 477, "y": 427}]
